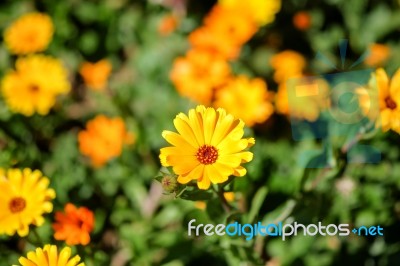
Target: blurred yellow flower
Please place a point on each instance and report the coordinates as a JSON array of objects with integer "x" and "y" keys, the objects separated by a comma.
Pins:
[
  {"x": 229, "y": 196},
  {"x": 201, "y": 205},
  {"x": 224, "y": 32},
  {"x": 30, "y": 33},
  {"x": 95, "y": 75},
  {"x": 287, "y": 64},
  {"x": 49, "y": 256},
  {"x": 263, "y": 11},
  {"x": 25, "y": 197},
  {"x": 34, "y": 85},
  {"x": 207, "y": 148},
  {"x": 304, "y": 101},
  {"x": 247, "y": 99},
  {"x": 198, "y": 74},
  {"x": 379, "y": 54},
  {"x": 103, "y": 139}
]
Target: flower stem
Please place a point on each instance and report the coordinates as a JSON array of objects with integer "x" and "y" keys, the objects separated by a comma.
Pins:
[{"x": 220, "y": 193}]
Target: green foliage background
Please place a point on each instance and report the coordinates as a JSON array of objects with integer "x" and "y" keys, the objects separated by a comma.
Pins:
[{"x": 135, "y": 223}]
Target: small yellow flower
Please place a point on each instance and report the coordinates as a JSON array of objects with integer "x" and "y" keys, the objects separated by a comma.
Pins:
[
  {"x": 247, "y": 99},
  {"x": 49, "y": 256},
  {"x": 25, "y": 197},
  {"x": 34, "y": 85},
  {"x": 201, "y": 205},
  {"x": 229, "y": 196},
  {"x": 29, "y": 34},
  {"x": 263, "y": 11},
  {"x": 95, "y": 75},
  {"x": 389, "y": 100},
  {"x": 208, "y": 147}
]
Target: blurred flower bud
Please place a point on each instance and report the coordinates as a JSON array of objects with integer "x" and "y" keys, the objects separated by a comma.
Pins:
[
  {"x": 169, "y": 183},
  {"x": 345, "y": 186}
]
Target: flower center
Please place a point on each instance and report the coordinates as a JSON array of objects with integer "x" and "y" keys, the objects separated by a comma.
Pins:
[
  {"x": 33, "y": 88},
  {"x": 207, "y": 154},
  {"x": 17, "y": 204},
  {"x": 390, "y": 103}
]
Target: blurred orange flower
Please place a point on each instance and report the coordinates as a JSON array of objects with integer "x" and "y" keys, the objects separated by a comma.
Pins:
[
  {"x": 247, "y": 99},
  {"x": 287, "y": 64},
  {"x": 30, "y": 33},
  {"x": 95, "y": 75},
  {"x": 104, "y": 139},
  {"x": 198, "y": 73},
  {"x": 74, "y": 226},
  {"x": 302, "y": 20},
  {"x": 379, "y": 54},
  {"x": 225, "y": 30},
  {"x": 168, "y": 24}
]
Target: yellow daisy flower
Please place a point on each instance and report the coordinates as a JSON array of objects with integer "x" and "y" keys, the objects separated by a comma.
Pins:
[
  {"x": 247, "y": 99},
  {"x": 49, "y": 256},
  {"x": 263, "y": 11},
  {"x": 389, "y": 100},
  {"x": 24, "y": 198},
  {"x": 208, "y": 147},
  {"x": 29, "y": 34},
  {"x": 34, "y": 85}
]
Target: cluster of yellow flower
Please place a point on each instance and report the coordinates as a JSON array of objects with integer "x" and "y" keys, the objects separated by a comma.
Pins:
[
  {"x": 31, "y": 88},
  {"x": 38, "y": 79},
  {"x": 204, "y": 74},
  {"x": 25, "y": 198}
]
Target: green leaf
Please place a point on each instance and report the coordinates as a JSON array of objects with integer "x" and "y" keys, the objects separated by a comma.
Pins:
[{"x": 256, "y": 204}]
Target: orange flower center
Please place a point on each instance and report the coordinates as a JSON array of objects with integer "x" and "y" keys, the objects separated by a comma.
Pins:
[
  {"x": 17, "y": 204},
  {"x": 390, "y": 103},
  {"x": 207, "y": 154},
  {"x": 33, "y": 88}
]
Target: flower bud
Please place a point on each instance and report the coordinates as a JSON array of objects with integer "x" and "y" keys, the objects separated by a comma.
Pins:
[{"x": 169, "y": 183}]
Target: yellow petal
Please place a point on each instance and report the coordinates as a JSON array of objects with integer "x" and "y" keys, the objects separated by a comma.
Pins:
[
  {"x": 181, "y": 123},
  {"x": 395, "y": 85},
  {"x": 65, "y": 254},
  {"x": 196, "y": 173},
  {"x": 209, "y": 120},
  {"x": 178, "y": 141},
  {"x": 240, "y": 171},
  {"x": 182, "y": 164},
  {"x": 214, "y": 174},
  {"x": 228, "y": 146},
  {"x": 382, "y": 81},
  {"x": 26, "y": 262},
  {"x": 196, "y": 123}
]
